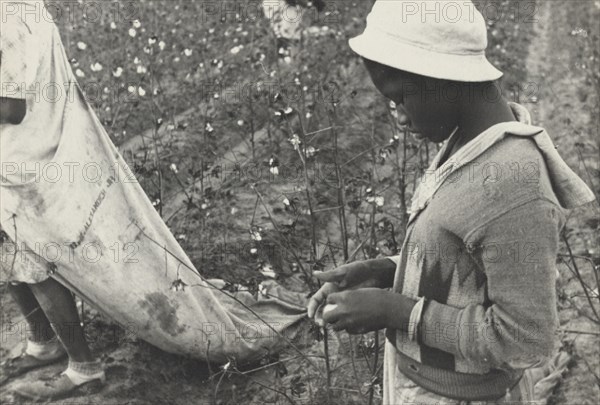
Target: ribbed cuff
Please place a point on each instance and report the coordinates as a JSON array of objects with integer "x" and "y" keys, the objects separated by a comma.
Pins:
[
  {"x": 461, "y": 386},
  {"x": 440, "y": 327},
  {"x": 44, "y": 350},
  {"x": 395, "y": 259}
]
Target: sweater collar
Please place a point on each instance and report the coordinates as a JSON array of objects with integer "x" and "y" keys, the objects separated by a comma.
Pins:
[{"x": 570, "y": 190}]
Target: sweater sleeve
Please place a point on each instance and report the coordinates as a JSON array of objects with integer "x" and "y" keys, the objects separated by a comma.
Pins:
[
  {"x": 395, "y": 259},
  {"x": 517, "y": 326}
]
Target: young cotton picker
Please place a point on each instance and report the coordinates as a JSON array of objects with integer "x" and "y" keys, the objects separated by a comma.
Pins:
[
  {"x": 29, "y": 132},
  {"x": 472, "y": 305}
]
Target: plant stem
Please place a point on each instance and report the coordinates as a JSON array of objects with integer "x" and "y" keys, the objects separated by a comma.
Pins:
[
  {"x": 580, "y": 278},
  {"x": 340, "y": 186}
]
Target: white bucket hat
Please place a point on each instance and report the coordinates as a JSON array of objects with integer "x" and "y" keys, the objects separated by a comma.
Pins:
[{"x": 440, "y": 39}]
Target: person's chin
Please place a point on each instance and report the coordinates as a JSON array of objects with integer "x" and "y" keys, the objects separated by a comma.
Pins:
[
  {"x": 436, "y": 136},
  {"x": 429, "y": 137}
]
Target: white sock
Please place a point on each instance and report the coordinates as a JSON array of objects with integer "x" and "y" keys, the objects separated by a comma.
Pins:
[
  {"x": 44, "y": 351},
  {"x": 81, "y": 373}
]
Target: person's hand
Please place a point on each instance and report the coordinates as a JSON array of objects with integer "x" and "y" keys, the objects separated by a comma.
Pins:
[
  {"x": 364, "y": 274},
  {"x": 367, "y": 309},
  {"x": 377, "y": 273},
  {"x": 315, "y": 305}
]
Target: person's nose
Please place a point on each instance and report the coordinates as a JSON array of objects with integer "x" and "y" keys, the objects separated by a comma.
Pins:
[
  {"x": 402, "y": 116},
  {"x": 403, "y": 119}
]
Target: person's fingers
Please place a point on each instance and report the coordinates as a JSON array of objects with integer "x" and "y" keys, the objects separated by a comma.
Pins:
[
  {"x": 334, "y": 298},
  {"x": 354, "y": 275},
  {"x": 332, "y": 316},
  {"x": 319, "y": 298},
  {"x": 331, "y": 276},
  {"x": 312, "y": 307},
  {"x": 344, "y": 283},
  {"x": 358, "y": 330},
  {"x": 315, "y": 302},
  {"x": 319, "y": 319},
  {"x": 338, "y": 326}
]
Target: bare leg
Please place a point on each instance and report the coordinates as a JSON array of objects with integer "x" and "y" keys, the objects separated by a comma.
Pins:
[
  {"x": 59, "y": 306},
  {"x": 39, "y": 329},
  {"x": 42, "y": 347}
]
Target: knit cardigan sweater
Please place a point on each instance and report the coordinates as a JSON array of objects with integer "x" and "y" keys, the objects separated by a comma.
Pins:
[{"x": 481, "y": 248}]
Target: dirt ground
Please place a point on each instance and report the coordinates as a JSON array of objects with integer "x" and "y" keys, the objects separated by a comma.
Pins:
[{"x": 561, "y": 97}]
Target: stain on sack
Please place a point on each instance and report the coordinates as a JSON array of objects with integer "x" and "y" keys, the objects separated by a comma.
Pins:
[
  {"x": 34, "y": 199},
  {"x": 163, "y": 310}
]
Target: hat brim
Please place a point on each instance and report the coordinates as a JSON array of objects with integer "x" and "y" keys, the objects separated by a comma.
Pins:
[{"x": 383, "y": 48}]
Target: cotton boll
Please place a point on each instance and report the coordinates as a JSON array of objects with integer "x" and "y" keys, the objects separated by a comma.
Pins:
[{"x": 319, "y": 315}]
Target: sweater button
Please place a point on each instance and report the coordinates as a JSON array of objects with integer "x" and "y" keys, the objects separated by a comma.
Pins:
[{"x": 413, "y": 367}]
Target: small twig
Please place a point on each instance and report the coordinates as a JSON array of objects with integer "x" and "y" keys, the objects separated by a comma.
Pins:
[
  {"x": 353, "y": 359},
  {"x": 373, "y": 244},
  {"x": 591, "y": 370},
  {"x": 159, "y": 171},
  {"x": 582, "y": 282},
  {"x": 14, "y": 260},
  {"x": 320, "y": 131},
  {"x": 579, "y": 332},
  {"x": 216, "y": 391},
  {"x": 580, "y": 278},
  {"x": 346, "y": 390},
  {"x": 327, "y": 362},
  {"x": 210, "y": 371},
  {"x": 340, "y": 187},
  {"x": 254, "y": 370},
  {"x": 581, "y": 312},
  {"x": 582, "y": 160}
]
